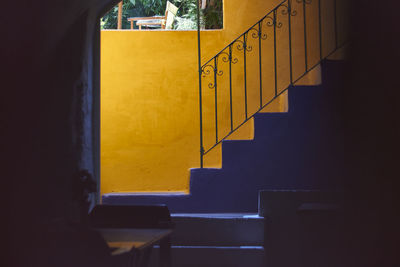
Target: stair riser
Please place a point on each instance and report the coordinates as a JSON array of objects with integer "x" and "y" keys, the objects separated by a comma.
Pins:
[
  {"x": 301, "y": 149},
  {"x": 307, "y": 225},
  {"x": 218, "y": 232},
  {"x": 212, "y": 257}
]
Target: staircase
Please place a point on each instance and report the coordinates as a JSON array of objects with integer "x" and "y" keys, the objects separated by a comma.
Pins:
[
  {"x": 300, "y": 149},
  {"x": 216, "y": 240},
  {"x": 298, "y": 152},
  {"x": 226, "y": 219}
]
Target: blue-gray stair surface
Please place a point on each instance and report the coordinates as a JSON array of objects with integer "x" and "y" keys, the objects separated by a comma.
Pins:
[
  {"x": 223, "y": 229},
  {"x": 300, "y": 149},
  {"x": 307, "y": 225},
  {"x": 234, "y": 240}
]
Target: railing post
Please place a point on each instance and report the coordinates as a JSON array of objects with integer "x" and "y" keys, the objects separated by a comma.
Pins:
[
  {"x": 320, "y": 30},
  {"x": 216, "y": 98},
  {"x": 305, "y": 34},
  {"x": 259, "y": 60},
  {"x": 275, "y": 56},
  {"x": 245, "y": 71},
  {"x": 200, "y": 93},
  {"x": 289, "y": 4},
  {"x": 230, "y": 85},
  {"x": 335, "y": 20}
]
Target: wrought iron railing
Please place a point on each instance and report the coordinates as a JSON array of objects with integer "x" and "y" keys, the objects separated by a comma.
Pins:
[{"x": 242, "y": 49}]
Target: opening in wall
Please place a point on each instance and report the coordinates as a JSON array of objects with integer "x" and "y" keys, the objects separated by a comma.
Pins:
[{"x": 163, "y": 14}]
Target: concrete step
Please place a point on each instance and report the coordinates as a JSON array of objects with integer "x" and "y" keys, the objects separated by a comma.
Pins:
[
  {"x": 222, "y": 229},
  {"x": 300, "y": 149},
  {"x": 208, "y": 256},
  {"x": 274, "y": 203},
  {"x": 308, "y": 225}
]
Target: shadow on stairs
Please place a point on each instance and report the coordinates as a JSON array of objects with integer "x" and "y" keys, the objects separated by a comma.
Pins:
[
  {"x": 292, "y": 156},
  {"x": 300, "y": 149}
]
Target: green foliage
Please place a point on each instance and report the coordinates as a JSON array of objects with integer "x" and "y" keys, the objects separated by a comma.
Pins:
[
  {"x": 153, "y": 7},
  {"x": 211, "y": 17},
  {"x": 187, "y": 17},
  {"x": 130, "y": 8},
  {"x": 185, "y": 24}
]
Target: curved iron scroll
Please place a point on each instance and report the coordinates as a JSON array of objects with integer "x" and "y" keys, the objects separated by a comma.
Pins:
[
  {"x": 207, "y": 70},
  {"x": 243, "y": 45},
  {"x": 287, "y": 9},
  {"x": 272, "y": 21},
  {"x": 257, "y": 33}
]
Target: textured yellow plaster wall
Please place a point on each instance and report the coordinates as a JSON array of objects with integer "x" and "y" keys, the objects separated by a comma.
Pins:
[{"x": 149, "y": 94}]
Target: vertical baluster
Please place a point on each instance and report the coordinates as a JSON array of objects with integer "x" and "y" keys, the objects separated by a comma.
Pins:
[
  {"x": 230, "y": 83},
  {"x": 245, "y": 72},
  {"x": 305, "y": 34},
  {"x": 335, "y": 20},
  {"x": 275, "y": 63},
  {"x": 320, "y": 30},
  {"x": 259, "y": 59},
  {"x": 216, "y": 98},
  {"x": 200, "y": 92},
  {"x": 290, "y": 40}
]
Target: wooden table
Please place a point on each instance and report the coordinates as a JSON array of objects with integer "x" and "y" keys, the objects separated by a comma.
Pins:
[
  {"x": 123, "y": 240},
  {"x": 131, "y": 20}
]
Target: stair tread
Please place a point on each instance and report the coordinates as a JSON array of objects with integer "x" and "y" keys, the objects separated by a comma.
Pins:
[
  {"x": 146, "y": 194},
  {"x": 219, "y": 247},
  {"x": 301, "y": 148},
  {"x": 217, "y": 215}
]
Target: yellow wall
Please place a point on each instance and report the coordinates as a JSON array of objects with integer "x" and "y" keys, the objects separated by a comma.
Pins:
[{"x": 149, "y": 96}]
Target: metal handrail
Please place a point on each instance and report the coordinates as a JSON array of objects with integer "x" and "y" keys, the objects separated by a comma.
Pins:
[{"x": 241, "y": 44}]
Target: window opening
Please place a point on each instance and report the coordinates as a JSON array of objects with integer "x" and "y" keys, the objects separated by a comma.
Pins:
[{"x": 184, "y": 19}]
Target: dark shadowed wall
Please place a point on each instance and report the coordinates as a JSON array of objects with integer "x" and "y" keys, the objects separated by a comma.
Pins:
[
  {"x": 48, "y": 106},
  {"x": 371, "y": 107},
  {"x": 49, "y": 50}
]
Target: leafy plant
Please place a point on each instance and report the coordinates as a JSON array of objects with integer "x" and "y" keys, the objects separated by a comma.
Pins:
[
  {"x": 129, "y": 9},
  {"x": 153, "y": 7},
  {"x": 211, "y": 16},
  {"x": 187, "y": 18},
  {"x": 185, "y": 24}
]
